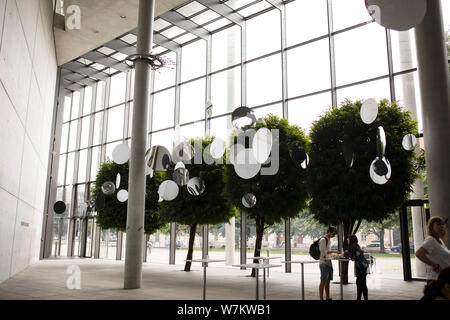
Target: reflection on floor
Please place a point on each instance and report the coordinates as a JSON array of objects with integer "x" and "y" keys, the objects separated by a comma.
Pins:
[{"x": 103, "y": 279}]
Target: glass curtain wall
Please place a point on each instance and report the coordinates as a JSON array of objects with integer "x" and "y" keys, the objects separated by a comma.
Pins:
[{"x": 334, "y": 52}]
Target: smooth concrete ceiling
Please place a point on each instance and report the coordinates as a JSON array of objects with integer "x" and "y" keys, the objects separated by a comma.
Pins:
[{"x": 101, "y": 21}]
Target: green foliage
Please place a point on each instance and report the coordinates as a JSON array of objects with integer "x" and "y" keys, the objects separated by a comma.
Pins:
[
  {"x": 114, "y": 215},
  {"x": 307, "y": 226},
  {"x": 343, "y": 195},
  {"x": 278, "y": 196},
  {"x": 211, "y": 207}
]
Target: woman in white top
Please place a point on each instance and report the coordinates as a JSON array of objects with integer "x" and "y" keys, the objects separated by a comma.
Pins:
[{"x": 434, "y": 252}]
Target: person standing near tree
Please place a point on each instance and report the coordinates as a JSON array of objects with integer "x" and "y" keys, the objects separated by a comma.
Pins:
[
  {"x": 434, "y": 252},
  {"x": 356, "y": 254},
  {"x": 325, "y": 265}
]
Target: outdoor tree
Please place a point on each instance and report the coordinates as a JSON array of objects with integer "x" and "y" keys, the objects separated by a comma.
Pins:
[
  {"x": 114, "y": 213},
  {"x": 211, "y": 207},
  {"x": 347, "y": 195},
  {"x": 307, "y": 226},
  {"x": 379, "y": 228},
  {"x": 278, "y": 196}
]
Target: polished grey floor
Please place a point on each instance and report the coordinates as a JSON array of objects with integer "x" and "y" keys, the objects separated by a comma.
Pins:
[{"x": 103, "y": 279}]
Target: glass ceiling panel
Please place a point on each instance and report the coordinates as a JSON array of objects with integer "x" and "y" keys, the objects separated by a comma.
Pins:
[
  {"x": 160, "y": 24},
  {"x": 129, "y": 38},
  {"x": 216, "y": 25},
  {"x": 205, "y": 17},
  {"x": 106, "y": 51},
  {"x": 172, "y": 32},
  {"x": 185, "y": 38},
  {"x": 236, "y": 4},
  {"x": 191, "y": 8},
  {"x": 254, "y": 9},
  {"x": 119, "y": 56}
]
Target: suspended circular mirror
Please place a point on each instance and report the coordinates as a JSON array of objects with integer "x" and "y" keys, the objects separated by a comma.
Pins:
[
  {"x": 122, "y": 195},
  {"x": 181, "y": 176},
  {"x": 100, "y": 202},
  {"x": 168, "y": 190},
  {"x": 59, "y": 207},
  {"x": 179, "y": 165},
  {"x": 234, "y": 150},
  {"x": 118, "y": 180},
  {"x": 158, "y": 158},
  {"x": 217, "y": 148},
  {"x": 246, "y": 165},
  {"x": 207, "y": 157},
  {"x": 297, "y": 152},
  {"x": 305, "y": 163},
  {"x": 409, "y": 142},
  {"x": 369, "y": 111},
  {"x": 121, "y": 153},
  {"x": 196, "y": 186},
  {"x": 380, "y": 170},
  {"x": 400, "y": 15},
  {"x": 108, "y": 188},
  {"x": 249, "y": 200},
  {"x": 262, "y": 145},
  {"x": 183, "y": 152},
  {"x": 381, "y": 142},
  {"x": 242, "y": 117},
  {"x": 347, "y": 150}
]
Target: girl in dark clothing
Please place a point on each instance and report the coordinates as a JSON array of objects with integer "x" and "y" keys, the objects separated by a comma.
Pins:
[{"x": 356, "y": 254}]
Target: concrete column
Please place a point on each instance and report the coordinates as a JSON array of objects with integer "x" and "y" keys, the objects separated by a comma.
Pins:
[
  {"x": 434, "y": 88},
  {"x": 137, "y": 177},
  {"x": 229, "y": 242},
  {"x": 409, "y": 100}
]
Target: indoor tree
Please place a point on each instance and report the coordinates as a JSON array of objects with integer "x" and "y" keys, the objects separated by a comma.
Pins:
[
  {"x": 347, "y": 195},
  {"x": 211, "y": 207},
  {"x": 278, "y": 196}
]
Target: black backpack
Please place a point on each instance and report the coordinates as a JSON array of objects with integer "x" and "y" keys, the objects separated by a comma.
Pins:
[{"x": 314, "y": 249}]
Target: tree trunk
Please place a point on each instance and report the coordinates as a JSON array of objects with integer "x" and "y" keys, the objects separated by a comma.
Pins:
[
  {"x": 382, "y": 240},
  {"x": 187, "y": 266},
  {"x": 259, "y": 237}
]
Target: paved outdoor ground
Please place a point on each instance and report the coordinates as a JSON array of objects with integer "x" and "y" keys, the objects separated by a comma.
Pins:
[{"x": 103, "y": 279}]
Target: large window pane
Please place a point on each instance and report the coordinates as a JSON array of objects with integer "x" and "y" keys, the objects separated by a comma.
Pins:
[
  {"x": 226, "y": 48},
  {"x": 67, "y": 107},
  {"x": 303, "y": 112},
  {"x": 115, "y": 123},
  {"x": 82, "y": 166},
  {"x": 194, "y": 130},
  {"x": 226, "y": 91},
  {"x": 221, "y": 128},
  {"x": 192, "y": 104},
  {"x": 305, "y": 20},
  {"x": 118, "y": 89},
  {"x": 95, "y": 164},
  {"x": 81, "y": 203},
  {"x": 264, "y": 81},
  {"x": 375, "y": 89},
  {"x": 361, "y": 54},
  {"x": 193, "y": 60},
  {"x": 86, "y": 122},
  {"x": 73, "y": 135},
  {"x": 347, "y": 13},
  {"x": 263, "y": 34},
  {"x": 163, "y": 138},
  {"x": 100, "y": 103},
  {"x": 75, "y": 105},
  {"x": 64, "y": 136},
  {"x": 61, "y": 169},
  {"x": 163, "y": 109},
  {"x": 98, "y": 126},
  {"x": 403, "y": 50},
  {"x": 87, "y": 100},
  {"x": 165, "y": 77},
  {"x": 407, "y": 93},
  {"x": 275, "y": 109},
  {"x": 70, "y": 168},
  {"x": 309, "y": 68}
]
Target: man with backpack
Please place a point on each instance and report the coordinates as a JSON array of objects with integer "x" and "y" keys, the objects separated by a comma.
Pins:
[{"x": 326, "y": 267}]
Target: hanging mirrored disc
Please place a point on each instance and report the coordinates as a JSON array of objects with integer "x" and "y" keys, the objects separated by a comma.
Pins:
[
  {"x": 121, "y": 153},
  {"x": 181, "y": 176},
  {"x": 183, "y": 152},
  {"x": 158, "y": 158},
  {"x": 380, "y": 170},
  {"x": 305, "y": 163},
  {"x": 347, "y": 150},
  {"x": 179, "y": 165},
  {"x": 100, "y": 202},
  {"x": 217, "y": 148},
  {"x": 122, "y": 195},
  {"x": 207, "y": 157},
  {"x": 242, "y": 117},
  {"x": 148, "y": 171},
  {"x": 160, "y": 199},
  {"x": 196, "y": 186},
  {"x": 369, "y": 111},
  {"x": 249, "y": 200},
  {"x": 108, "y": 188},
  {"x": 297, "y": 152},
  {"x": 59, "y": 207},
  {"x": 246, "y": 165},
  {"x": 409, "y": 142},
  {"x": 381, "y": 142},
  {"x": 400, "y": 15},
  {"x": 262, "y": 145},
  {"x": 118, "y": 180},
  {"x": 234, "y": 150},
  {"x": 168, "y": 190}
]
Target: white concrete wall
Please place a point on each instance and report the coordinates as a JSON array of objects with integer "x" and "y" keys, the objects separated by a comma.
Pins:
[{"x": 27, "y": 87}]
